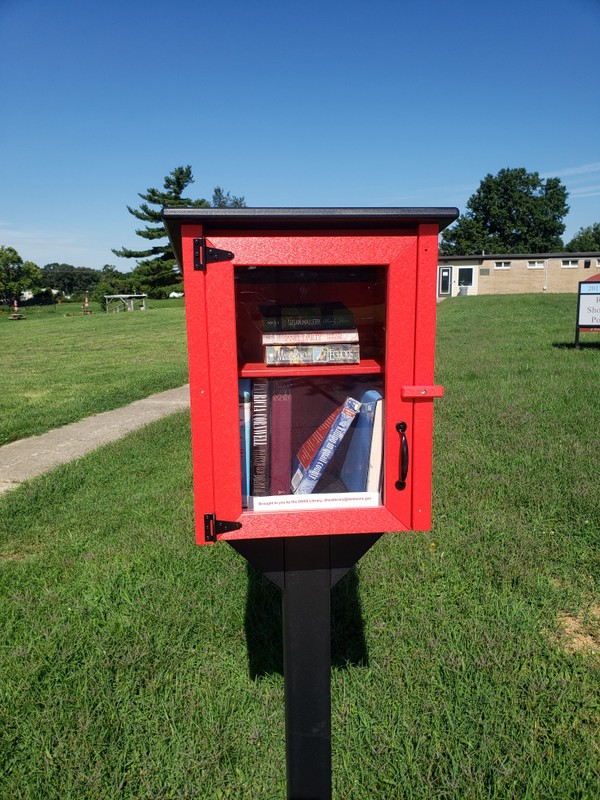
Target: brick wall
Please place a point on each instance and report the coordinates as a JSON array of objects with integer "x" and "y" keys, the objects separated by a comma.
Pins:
[
  {"x": 548, "y": 275},
  {"x": 520, "y": 278}
]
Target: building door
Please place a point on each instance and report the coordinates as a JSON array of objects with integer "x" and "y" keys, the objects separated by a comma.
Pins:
[{"x": 445, "y": 281}]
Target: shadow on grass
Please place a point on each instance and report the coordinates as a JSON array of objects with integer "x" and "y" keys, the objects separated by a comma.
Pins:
[
  {"x": 572, "y": 346},
  {"x": 264, "y": 632}
]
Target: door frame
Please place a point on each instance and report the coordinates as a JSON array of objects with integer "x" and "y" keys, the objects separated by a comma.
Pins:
[{"x": 441, "y": 270}]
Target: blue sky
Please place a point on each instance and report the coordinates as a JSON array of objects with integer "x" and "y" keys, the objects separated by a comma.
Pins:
[{"x": 312, "y": 103}]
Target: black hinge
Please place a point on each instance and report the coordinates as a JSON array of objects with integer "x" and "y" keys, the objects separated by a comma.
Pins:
[
  {"x": 213, "y": 527},
  {"x": 204, "y": 255}
]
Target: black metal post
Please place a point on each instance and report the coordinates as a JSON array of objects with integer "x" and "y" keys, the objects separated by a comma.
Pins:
[
  {"x": 305, "y": 568},
  {"x": 307, "y": 668}
]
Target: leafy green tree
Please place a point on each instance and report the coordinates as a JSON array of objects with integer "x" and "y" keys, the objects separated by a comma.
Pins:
[
  {"x": 157, "y": 267},
  {"x": 514, "y": 211},
  {"x": 16, "y": 275},
  {"x": 59, "y": 276},
  {"x": 113, "y": 282},
  {"x": 70, "y": 280},
  {"x": 586, "y": 240}
]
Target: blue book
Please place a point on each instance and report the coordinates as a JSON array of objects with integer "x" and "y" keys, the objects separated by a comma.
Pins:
[
  {"x": 245, "y": 402},
  {"x": 318, "y": 449},
  {"x": 361, "y": 471}
]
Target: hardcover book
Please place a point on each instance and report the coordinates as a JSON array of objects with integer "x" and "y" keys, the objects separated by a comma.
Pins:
[
  {"x": 326, "y": 316},
  {"x": 363, "y": 463},
  {"x": 261, "y": 484},
  {"x": 280, "y": 394},
  {"x": 311, "y": 337},
  {"x": 245, "y": 403},
  {"x": 317, "y": 451},
  {"x": 286, "y": 354}
]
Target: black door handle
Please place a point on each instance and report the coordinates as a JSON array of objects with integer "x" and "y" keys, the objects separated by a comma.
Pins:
[{"x": 403, "y": 466}]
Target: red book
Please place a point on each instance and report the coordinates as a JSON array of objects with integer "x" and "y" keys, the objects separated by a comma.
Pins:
[{"x": 281, "y": 435}]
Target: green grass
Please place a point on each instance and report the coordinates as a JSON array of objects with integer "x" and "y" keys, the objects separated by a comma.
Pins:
[
  {"x": 137, "y": 665},
  {"x": 58, "y": 366}
]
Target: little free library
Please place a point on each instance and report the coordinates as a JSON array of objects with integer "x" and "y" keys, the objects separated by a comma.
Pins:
[{"x": 311, "y": 336}]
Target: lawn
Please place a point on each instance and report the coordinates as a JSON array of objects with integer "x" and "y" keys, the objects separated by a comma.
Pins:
[
  {"x": 466, "y": 660},
  {"x": 58, "y": 366}
]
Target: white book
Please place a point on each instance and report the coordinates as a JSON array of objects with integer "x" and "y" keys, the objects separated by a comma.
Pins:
[
  {"x": 310, "y": 337},
  {"x": 375, "y": 471}
]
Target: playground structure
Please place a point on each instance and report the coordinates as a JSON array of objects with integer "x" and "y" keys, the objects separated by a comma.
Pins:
[{"x": 124, "y": 302}]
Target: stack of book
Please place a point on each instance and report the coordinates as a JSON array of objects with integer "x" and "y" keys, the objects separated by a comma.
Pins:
[
  {"x": 309, "y": 334},
  {"x": 299, "y": 435},
  {"x": 292, "y": 454}
]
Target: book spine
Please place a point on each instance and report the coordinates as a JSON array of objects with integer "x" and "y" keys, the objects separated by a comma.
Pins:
[
  {"x": 338, "y": 319},
  {"x": 319, "y": 448},
  {"x": 245, "y": 404},
  {"x": 281, "y": 435},
  {"x": 375, "y": 471},
  {"x": 306, "y": 323},
  {"x": 260, "y": 437},
  {"x": 310, "y": 337},
  {"x": 284, "y": 355},
  {"x": 365, "y": 438}
]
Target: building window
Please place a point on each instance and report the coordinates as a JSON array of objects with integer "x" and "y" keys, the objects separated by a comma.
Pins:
[
  {"x": 535, "y": 265},
  {"x": 465, "y": 276},
  {"x": 570, "y": 263},
  {"x": 502, "y": 265}
]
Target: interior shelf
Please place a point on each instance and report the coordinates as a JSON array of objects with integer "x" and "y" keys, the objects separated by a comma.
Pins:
[{"x": 259, "y": 370}]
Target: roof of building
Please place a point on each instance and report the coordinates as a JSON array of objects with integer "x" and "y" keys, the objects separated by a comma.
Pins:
[{"x": 517, "y": 256}]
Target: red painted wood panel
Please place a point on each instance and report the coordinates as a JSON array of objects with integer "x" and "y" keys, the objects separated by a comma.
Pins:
[
  {"x": 399, "y": 357},
  {"x": 315, "y": 523},
  {"x": 425, "y": 305},
  {"x": 227, "y": 474},
  {"x": 366, "y": 367},
  {"x": 199, "y": 374},
  {"x": 320, "y": 249}
]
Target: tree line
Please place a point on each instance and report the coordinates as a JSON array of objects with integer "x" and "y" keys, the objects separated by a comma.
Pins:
[
  {"x": 56, "y": 282},
  {"x": 512, "y": 212},
  {"x": 156, "y": 273}
]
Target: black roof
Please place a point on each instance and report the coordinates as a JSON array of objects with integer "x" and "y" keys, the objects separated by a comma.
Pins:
[
  {"x": 518, "y": 256},
  {"x": 215, "y": 220}
]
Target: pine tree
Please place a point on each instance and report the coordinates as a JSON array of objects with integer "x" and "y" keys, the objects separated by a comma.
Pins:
[{"x": 157, "y": 267}]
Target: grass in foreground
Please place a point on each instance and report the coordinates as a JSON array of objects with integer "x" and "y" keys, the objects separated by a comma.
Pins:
[
  {"x": 126, "y": 652},
  {"x": 60, "y": 366}
]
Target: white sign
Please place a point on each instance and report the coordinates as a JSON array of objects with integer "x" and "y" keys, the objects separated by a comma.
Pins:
[{"x": 589, "y": 305}]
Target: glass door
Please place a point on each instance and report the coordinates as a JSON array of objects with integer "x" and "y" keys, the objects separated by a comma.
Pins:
[
  {"x": 311, "y": 361},
  {"x": 445, "y": 281}
]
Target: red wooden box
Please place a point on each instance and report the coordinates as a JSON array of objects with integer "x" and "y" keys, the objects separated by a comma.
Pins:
[{"x": 250, "y": 272}]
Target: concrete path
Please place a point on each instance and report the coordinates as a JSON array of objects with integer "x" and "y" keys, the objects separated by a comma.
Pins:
[{"x": 30, "y": 457}]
